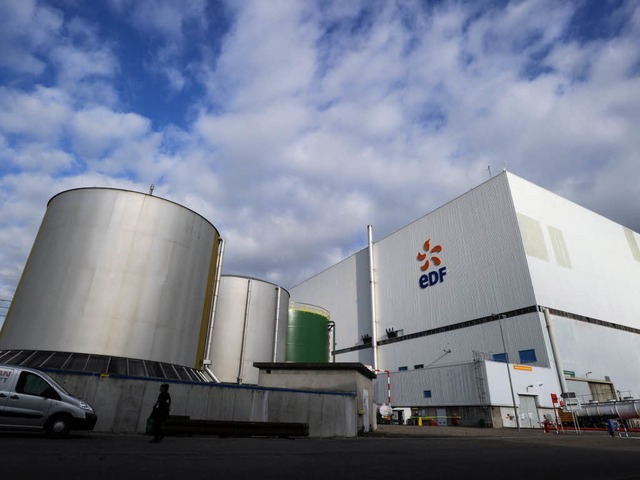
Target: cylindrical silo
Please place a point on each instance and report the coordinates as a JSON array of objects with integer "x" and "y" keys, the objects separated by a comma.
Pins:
[
  {"x": 249, "y": 325},
  {"x": 116, "y": 272},
  {"x": 307, "y": 334}
]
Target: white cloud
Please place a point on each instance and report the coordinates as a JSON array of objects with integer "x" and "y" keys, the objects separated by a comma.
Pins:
[
  {"x": 320, "y": 119},
  {"x": 166, "y": 18},
  {"x": 169, "y": 23},
  {"x": 269, "y": 55},
  {"x": 97, "y": 129},
  {"x": 26, "y": 31},
  {"x": 255, "y": 139},
  {"x": 40, "y": 113},
  {"x": 40, "y": 157},
  {"x": 74, "y": 64},
  {"x": 404, "y": 120}
]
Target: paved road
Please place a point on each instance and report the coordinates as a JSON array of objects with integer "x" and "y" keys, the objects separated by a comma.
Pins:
[{"x": 389, "y": 453}]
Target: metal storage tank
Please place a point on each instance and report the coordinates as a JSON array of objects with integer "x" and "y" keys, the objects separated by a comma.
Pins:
[
  {"x": 249, "y": 325},
  {"x": 308, "y": 333},
  {"x": 118, "y": 273}
]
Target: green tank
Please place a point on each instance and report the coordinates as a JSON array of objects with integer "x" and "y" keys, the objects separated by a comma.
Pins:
[{"x": 308, "y": 334}]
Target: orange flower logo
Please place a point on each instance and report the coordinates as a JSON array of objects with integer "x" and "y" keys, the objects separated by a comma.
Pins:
[{"x": 427, "y": 256}]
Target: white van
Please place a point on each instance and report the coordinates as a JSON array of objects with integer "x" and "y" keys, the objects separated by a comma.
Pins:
[{"x": 30, "y": 399}]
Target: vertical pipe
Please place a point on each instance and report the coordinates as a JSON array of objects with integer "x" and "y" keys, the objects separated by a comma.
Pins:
[
  {"x": 214, "y": 303},
  {"x": 206, "y": 362},
  {"x": 388, "y": 387},
  {"x": 334, "y": 342},
  {"x": 332, "y": 328},
  {"x": 554, "y": 350},
  {"x": 244, "y": 332},
  {"x": 275, "y": 333},
  {"x": 513, "y": 396},
  {"x": 374, "y": 321}
]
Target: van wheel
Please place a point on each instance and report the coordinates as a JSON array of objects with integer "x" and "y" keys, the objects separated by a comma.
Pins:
[{"x": 58, "y": 426}]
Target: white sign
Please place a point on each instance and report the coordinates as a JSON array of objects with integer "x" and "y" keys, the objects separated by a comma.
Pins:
[{"x": 572, "y": 405}]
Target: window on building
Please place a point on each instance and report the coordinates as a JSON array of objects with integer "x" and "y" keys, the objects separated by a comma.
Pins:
[
  {"x": 499, "y": 357},
  {"x": 528, "y": 356},
  {"x": 402, "y": 369},
  {"x": 420, "y": 365},
  {"x": 426, "y": 393}
]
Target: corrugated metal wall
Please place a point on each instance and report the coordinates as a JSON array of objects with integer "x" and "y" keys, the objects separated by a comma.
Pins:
[
  {"x": 521, "y": 333},
  {"x": 447, "y": 386},
  {"x": 602, "y": 351},
  {"x": 592, "y": 269},
  {"x": 343, "y": 290},
  {"x": 494, "y": 249},
  {"x": 486, "y": 272}
]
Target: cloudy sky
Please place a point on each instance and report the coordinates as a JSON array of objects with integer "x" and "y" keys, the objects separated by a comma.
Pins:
[{"x": 291, "y": 125}]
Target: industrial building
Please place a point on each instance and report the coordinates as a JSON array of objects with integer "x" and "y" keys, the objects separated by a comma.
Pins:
[
  {"x": 479, "y": 313},
  {"x": 489, "y": 306}
]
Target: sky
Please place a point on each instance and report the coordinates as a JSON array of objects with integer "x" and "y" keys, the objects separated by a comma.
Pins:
[{"x": 292, "y": 125}]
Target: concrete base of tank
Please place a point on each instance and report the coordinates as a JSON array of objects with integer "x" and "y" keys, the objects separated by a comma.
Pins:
[{"x": 123, "y": 404}]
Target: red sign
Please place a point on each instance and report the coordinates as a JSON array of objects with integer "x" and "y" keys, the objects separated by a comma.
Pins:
[{"x": 554, "y": 398}]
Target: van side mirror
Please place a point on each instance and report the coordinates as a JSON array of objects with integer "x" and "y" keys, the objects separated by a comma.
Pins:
[{"x": 50, "y": 393}]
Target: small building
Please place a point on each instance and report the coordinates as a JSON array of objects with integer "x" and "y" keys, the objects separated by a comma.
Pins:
[{"x": 350, "y": 378}]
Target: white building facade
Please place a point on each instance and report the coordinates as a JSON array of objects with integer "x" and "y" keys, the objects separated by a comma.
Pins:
[{"x": 452, "y": 306}]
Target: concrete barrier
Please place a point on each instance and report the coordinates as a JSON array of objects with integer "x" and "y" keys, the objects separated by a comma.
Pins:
[
  {"x": 189, "y": 426},
  {"x": 123, "y": 404}
]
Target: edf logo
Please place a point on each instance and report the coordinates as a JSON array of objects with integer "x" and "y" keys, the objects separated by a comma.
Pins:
[{"x": 428, "y": 257}]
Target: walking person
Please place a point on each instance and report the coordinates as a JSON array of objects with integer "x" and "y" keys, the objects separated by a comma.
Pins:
[{"x": 160, "y": 413}]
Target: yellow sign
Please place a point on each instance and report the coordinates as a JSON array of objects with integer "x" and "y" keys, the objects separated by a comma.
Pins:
[{"x": 523, "y": 367}]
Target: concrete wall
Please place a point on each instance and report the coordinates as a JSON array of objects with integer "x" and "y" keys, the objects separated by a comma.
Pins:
[
  {"x": 123, "y": 404},
  {"x": 364, "y": 416}
]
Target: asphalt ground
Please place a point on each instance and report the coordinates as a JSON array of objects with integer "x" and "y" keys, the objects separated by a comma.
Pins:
[{"x": 394, "y": 452}]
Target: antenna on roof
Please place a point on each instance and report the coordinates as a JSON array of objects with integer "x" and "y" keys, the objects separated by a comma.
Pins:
[
  {"x": 504, "y": 166},
  {"x": 489, "y": 169},
  {"x": 151, "y": 189}
]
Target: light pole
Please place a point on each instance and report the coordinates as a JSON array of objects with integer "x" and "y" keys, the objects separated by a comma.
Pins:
[{"x": 506, "y": 355}]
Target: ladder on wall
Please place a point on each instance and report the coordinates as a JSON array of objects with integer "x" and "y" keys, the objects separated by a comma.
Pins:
[{"x": 478, "y": 366}]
